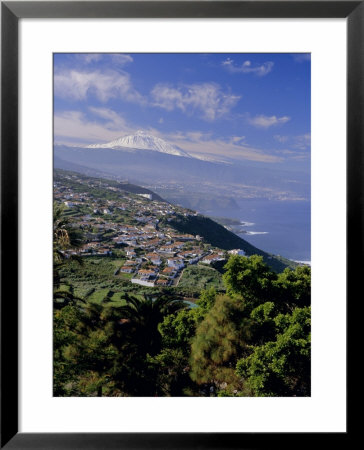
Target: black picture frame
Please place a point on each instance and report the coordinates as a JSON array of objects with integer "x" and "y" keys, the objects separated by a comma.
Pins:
[{"x": 11, "y": 12}]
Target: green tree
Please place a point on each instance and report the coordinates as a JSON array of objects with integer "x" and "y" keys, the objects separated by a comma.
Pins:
[
  {"x": 263, "y": 327},
  {"x": 220, "y": 339},
  {"x": 281, "y": 367},
  {"x": 65, "y": 237},
  {"x": 293, "y": 287},
  {"x": 65, "y": 325},
  {"x": 252, "y": 280},
  {"x": 249, "y": 278},
  {"x": 136, "y": 369},
  {"x": 171, "y": 370},
  {"x": 206, "y": 300},
  {"x": 144, "y": 316},
  {"x": 177, "y": 330},
  {"x": 84, "y": 349}
]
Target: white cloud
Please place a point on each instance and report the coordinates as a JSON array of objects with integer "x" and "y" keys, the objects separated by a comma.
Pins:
[
  {"x": 247, "y": 67},
  {"x": 114, "y": 120},
  {"x": 281, "y": 139},
  {"x": 300, "y": 142},
  {"x": 302, "y": 57},
  {"x": 78, "y": 85},
  {"x": 236, "y": 139},
  {"x": 88, "y": 58},
  {"x": 207, "y": 98},
  {"x": 121, "y": 59},
  {"x": 262, "y": 121},
  {"x": 76, "y": 127},
  {"x": 204, "y": 144}
]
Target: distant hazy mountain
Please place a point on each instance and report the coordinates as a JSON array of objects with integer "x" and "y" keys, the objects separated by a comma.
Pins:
[
  {"x": 154, "y": 167},
  {"x": 74, "y": 167},
  {"x": 151, "y": 161},
  {"x": 150, "y": 166},
  {"x": 143, "y": 141}
]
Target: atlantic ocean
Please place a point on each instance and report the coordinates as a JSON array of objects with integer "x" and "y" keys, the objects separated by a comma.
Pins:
[{"x": 278, "y": 227}]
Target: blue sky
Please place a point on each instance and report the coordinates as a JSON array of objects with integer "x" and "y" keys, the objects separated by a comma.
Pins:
[{"x": 253, "y": 107}]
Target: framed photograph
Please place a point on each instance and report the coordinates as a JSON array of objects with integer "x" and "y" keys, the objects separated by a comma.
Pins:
[{"x": 181, "y": 188}]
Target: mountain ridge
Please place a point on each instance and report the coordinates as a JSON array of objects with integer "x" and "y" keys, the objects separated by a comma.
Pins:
[{"x": 143, "y": 141}]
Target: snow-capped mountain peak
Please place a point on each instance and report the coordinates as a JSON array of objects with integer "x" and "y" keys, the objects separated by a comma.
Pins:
[{"x": 143, "y": 141}]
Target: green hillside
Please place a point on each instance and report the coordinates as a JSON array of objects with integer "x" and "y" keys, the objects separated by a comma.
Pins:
[
  {"x": 218, "y": 236},
  {"x": 125, "y": 186},
  {"x": 134, "y": 189}
]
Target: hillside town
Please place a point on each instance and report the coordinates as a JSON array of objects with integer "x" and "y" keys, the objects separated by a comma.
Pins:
[{"x": 134, "y": 227}]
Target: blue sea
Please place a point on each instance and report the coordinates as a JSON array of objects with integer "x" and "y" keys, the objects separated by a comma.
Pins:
[{"x": 278, "y": 227}]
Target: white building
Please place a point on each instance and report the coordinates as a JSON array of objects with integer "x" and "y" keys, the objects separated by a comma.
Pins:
[
  {"x": 142, "y": 282},
  {"x": 237, "y": 251},
  {"x": 212, "y": 258},
  {"x": 175, "y": 263},
  {"x": 127, "y": 269},
  {"x": 148, "y": 196}
]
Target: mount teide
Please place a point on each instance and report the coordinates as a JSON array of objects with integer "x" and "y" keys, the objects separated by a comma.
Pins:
[{"x": 143, "y": 141}]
